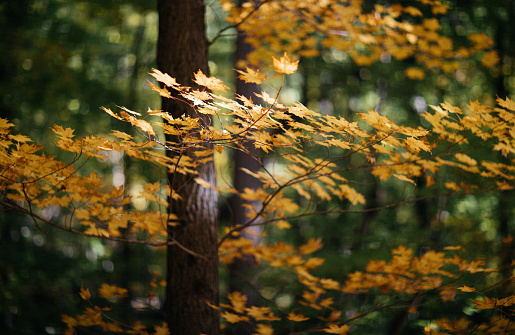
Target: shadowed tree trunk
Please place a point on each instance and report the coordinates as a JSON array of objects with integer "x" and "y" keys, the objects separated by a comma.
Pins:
[
  {"x": 191, "y": 281},
  {"x": 242, "y": 269}
]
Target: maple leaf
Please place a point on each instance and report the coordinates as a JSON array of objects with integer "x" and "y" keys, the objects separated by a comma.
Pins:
[
  {"x": 413, "y": 11},
  {"x": 467, "y": 289},
  {"x": 251, "y": 76},
  {"x": 282, "y": 224},
  {"x": 297, "y": 317},
  {"x": 84, "y": 293},
  {"x": 487, "y": 303},
  {"x": 465, "y": 159},
  {"x": 110, "y": 291},
  {"x": 490, "y": 59},
  {"x": 233, "y": 318},
  {"x": 161, "y": 330},
  {"x": 122, "y": 135},
  {"x": 313, "y": 245},
  {"x": 415, "y": 73},
  {"x": 238, "y": 301},
  {"x": 64, "y": 133},
  {"x": 334, "y": 329},
  {"x": 264, "y": 329},
  {"x": 164, "y": 78},
  {"x": 211, "y": 83},
  {"x": 20, "y": 138},
  {"x": 284, "y": 65},
  {"x": 4, "y": 124}
]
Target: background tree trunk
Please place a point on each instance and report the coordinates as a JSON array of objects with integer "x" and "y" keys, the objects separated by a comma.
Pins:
[
  {"x": 191, "y": 281},
  {"x": 242, "y": 270}
]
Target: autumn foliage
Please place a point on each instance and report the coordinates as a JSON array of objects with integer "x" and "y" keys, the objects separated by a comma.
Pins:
[
  {"x": 321, "y": 153},
  {"x": 367, "y": 36}
]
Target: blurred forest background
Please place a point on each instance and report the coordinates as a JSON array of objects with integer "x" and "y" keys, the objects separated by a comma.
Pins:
[{"x": 61, "y": 60}]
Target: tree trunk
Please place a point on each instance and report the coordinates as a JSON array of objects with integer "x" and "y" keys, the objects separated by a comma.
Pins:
[
  {"x": 242, "y": 270},
  {"x": 192, "y": 281}
]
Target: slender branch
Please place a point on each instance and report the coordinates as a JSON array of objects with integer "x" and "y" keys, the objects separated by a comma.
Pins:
[{"x": 110, "y": 238}]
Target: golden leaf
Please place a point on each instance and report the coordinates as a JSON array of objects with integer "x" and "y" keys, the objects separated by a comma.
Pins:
[
  {"x": 415, "y": 73},
  {"x": 161, "y": 330},
  {"x": 334, "y": 329},
  {"x": 211, "y": 83},
  {"x": 297, "y": 317},
  {"x": 84, "y": 293},
  {"x": 281, "y": 224},
  {"x": 164, "y": 78},
  {"x": 284, "y": 65},
  {"x": 467, "y": 289},
  {"x": 264, "y": 329},
  {"x": 313, "y": 245},
  {"x": 251, "y": 76},
  {"x": 107, "y": 291}
]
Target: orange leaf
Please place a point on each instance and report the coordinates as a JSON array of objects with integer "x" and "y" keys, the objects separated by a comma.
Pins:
[
  {"x": 161, "y": 330},
  {"x": 297, "y": 317},
  {"x": 110, "y": 291},
  {"x": 334, "y": 329},
  {"x": 84, "y": 293}
]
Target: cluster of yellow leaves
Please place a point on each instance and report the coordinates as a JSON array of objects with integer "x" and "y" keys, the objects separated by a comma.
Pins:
[
  {"x": 500, "y": 323},
  {"x": 404, "y": 275},
  {"x": 305, "y": 27},
  {"x": 391, "y": 151},
  {"x": 95, "y": 316},
  {"x": 36, "y": 181},
  {"x": 290, "y": 133},
  {"x": 287, "y": 134},
  {"x": 408, "y": 274}
]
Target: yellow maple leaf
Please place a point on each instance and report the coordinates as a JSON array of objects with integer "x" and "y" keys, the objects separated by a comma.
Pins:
[
  {"x": 264, "y": 329},
  {"x": 284, "y": 65},
  {"x": 212, "y": 83},
  {"x": 20, "y": 138},
  {"x": 84, "y": 293},
  {"x": 413, "y": 11},
  {"x": 487, "y": 303},
  {"x": 164, "y": 78},
  {"x": 238, "y": 301},
  {"x": 452, "y": 186},
  {"x": 161, "y": 330},
  {"x": 297, "y": 317},
  {"x": 440, "y": 9},
  {"x": 334, "y": 329},
  {"x": 415, "y": 73},
  {"x": 465, "y": 159},
  {"x": 64, "y": 133},
  {"x": 233, "y": 318},
  {"x": 382, "y": 171},
  {"x": 4, "y": 124},
  {"x": 122, "y": 135},
  {"x": 110, "y": 291},
  {"x": 313, "y": 245},
  {"x": 251, "y": 76},
  {"x": 466, "y": 289},
  {"x": 490, "y": 59},
  {"x": 282, "y": 224}
]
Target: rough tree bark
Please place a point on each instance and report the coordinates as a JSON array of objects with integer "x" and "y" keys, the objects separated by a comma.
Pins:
[{"x": 191, "y": 281}]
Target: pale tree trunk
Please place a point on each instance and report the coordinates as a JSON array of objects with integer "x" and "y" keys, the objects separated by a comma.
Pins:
[{"x": 192, "y": 281}]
